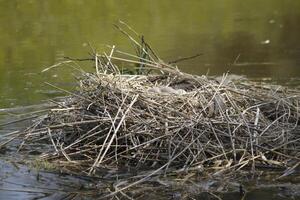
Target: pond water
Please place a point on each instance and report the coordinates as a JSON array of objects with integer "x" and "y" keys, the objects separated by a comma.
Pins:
[
  {"x": 258, "y": 39},
  {"x": 252, "y": 38}
]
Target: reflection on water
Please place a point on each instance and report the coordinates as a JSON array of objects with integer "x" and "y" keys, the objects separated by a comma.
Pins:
[
  {"x": 20, "y": 182},
  {"x": 259, "y": 39}
]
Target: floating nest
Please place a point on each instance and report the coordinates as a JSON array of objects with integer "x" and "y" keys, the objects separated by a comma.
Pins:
[{"x": 166, "y": 120}]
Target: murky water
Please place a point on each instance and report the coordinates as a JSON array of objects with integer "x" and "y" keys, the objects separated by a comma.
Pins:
[
  {"x": 259, "y": 39},
  {"x": 254, "y": 38}
]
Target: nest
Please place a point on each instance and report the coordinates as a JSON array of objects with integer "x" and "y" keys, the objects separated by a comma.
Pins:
[{"x": 167, "y": 120}]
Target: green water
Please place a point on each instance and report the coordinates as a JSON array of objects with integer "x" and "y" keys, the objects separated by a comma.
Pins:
[{"x": 258, "y": 39}]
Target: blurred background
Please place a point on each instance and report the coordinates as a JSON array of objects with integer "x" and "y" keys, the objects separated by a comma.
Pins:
[{"x": 252, "y": 38}]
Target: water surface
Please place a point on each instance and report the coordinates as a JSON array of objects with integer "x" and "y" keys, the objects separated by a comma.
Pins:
[{"x": 258, "y": 39}]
